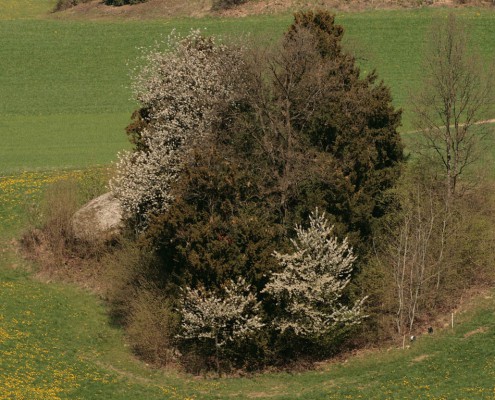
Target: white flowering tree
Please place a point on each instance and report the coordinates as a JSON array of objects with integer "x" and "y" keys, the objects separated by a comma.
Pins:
[
  {"x": 180, "y": 89},
  {"x": 219, "y": 320},
  {"x": 308, "y": 289}
]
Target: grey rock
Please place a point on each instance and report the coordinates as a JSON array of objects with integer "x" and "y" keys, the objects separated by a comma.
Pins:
[{"x": 100, "y": 219}]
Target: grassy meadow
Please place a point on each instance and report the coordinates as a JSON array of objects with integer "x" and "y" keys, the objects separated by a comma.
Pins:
[
  {"x": 65, "y": 103},
  {"x": 65, "y": 85},
  {"x": 56, "y": 343}
]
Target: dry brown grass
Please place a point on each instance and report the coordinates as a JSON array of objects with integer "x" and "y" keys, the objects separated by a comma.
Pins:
[
  {"x": 420, "y": 358},
  {"x": 152, "y": 9},
  {"x": 49, "y": 239}
]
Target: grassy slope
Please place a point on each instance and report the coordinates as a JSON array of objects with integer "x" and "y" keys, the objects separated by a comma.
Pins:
[
  {"x": 65, "y": 85},
  {"x": 66, "y": 97},
  {"x": 25, "y": 9},
  {"x": 55, "y": 341}
]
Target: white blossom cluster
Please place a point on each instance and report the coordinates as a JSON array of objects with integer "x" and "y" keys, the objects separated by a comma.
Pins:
[
  {"x": 311, "y": 282},
  {"x": 221, "y": 319},
  {"x": 181, "y": 90}
]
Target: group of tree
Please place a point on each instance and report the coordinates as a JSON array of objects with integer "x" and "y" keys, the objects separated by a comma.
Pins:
[
  {"x": 439, "y": 241},
  {"x": 249, "y": 163},
  {"x": 236, "y": 151}
]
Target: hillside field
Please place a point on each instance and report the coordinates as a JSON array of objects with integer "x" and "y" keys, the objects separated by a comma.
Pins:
[
  {"x": 65, "y": 102},
  {"x": 65, "y": 85},
  {"x": 56, "y": 343}
]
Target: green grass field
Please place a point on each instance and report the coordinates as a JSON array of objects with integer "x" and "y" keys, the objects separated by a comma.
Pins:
[
  {"x": 65, "y": 85},
  {"x": 65, "y": 102},
  {"x": 25, "y": 9},
  {"x": 56, "y": 343}
]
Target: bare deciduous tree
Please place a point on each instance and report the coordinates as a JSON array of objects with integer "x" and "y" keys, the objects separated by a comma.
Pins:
[
  {"x": 429, "y": 252},
  {"x": 454, "y": 99},
  {"x": 414, "y": 252}
]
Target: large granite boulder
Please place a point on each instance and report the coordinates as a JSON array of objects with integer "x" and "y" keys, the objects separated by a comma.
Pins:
[{"x": 100, "y": 219}]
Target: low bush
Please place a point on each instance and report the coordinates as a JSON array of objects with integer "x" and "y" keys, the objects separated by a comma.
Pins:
[
  {"x": 62, "y": 5},
  {"x": 49, "y": 237},
  {"x": 53, "y": 216},
  {"x": 138, "y": 303},
  {"x": 225, "y": 4},
  {"x": 151, "y": 327},
  {"x": 123, "y": 2}
]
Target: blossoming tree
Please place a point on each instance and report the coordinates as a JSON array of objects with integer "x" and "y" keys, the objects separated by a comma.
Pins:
[
  {"x": 313, "y": 278},
  {"x": 179, "y": 92},
  {"x": 220, "y": 319}
]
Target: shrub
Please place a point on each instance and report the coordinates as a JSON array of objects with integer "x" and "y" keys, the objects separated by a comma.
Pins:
[
  {"x": 234, "y": 147},
  {"x": 433, "y": 249},
  {"x": 179, "y": 92},
  {"x": 57, "y": 207},
  {"x": 123, "y": 2},
  {"x": 151, "y": 327},
  {"x": 225, "y": 4},
  {"x": 62, "y": 5},
  {"x": 49, "y": 237},
  {"x": 216, "y": 322},
  {"x": 127, "y": 271},
  {"x": 309, "y": 313},
  {"x": 311, "y": 283}
]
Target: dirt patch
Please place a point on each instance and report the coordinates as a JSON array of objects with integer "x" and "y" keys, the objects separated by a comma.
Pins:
[
  {"x": 262, "y": 395},
  {"x": 159, "y": 9},
  {"x": 152, "y": 9},
  {"x": 481, "y": 329},
  {"x": 420, "y": 358}
]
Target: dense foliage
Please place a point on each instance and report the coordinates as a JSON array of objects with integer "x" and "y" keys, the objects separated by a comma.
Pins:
[
  {"x": 180, "y": 92},
  {"x": 312, "y": 280},
  {"x": 220, "y": 320},
  {"x": 62, "y": 5},
  {"x": 123, "y": 2},
  {"x": 318, "y": 133},
  {"x": 233, "y": 148},
  {"x": 225, "y": 4}
]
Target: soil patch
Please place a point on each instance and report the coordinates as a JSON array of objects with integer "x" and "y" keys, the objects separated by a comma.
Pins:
[
  {"x": 420, "y": 358},
  {"x": 160, "y": 9}
]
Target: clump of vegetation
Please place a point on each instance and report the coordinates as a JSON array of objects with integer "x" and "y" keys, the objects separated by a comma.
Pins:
[
  {"x": 50, "y": 237},
  {"x": 62, "y": 5},
  {"x": 233, "y": 148},
  {"x": 225, "y": 4},
  {"x": 438, "y": 242},
  {"x": 308, "y": 289},
  {"x": 181, "y": 92},
  {"x": 123, "y": 2},
  {"x": 226, "y": 265}
]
